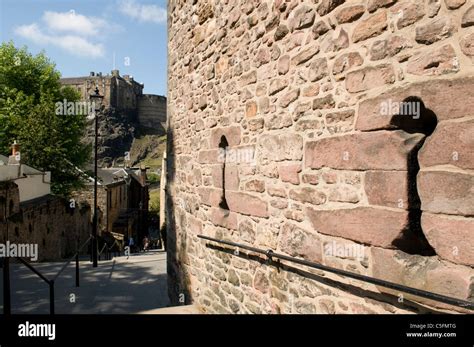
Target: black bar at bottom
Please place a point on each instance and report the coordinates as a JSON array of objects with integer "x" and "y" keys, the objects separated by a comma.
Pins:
[{"x": 410, "y": 290}]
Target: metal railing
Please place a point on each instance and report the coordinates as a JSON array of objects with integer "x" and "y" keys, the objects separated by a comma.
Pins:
[
  {"x": 108, "y": 253},
  {"x": 49, "y": 282},
  {"x": 401, "y": 288}
]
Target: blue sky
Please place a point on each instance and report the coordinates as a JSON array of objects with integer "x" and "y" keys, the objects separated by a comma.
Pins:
[{"x": 81, "y": 36}]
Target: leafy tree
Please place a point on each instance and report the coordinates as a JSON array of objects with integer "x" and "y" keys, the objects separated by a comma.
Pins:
[{"x": 29, "y": 91}]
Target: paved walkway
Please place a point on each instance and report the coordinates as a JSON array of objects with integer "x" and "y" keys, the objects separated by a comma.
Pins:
[{"x": 121, "y": 285}]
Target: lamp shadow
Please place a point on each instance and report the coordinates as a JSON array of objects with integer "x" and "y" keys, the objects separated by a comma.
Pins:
[{"x": 414, "y": 117}]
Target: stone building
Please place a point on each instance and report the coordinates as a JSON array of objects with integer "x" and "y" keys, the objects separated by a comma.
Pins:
[
  {"x": 124, "y": 95},
  {"x": 122, "y": 200},
  {"x": 346, "y": 129},
  {"x": 30, "y": 214}
]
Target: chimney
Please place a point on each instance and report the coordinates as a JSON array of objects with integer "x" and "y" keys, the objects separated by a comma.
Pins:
[
  {"x": 92, "y": 74},
  {"x": 116, "y": 73},
  {"x": 15, "y": 158},
  {"x": 15, "y": 148}
]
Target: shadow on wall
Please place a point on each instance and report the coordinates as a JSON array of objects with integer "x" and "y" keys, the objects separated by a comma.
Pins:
[
  {"x": 414, "y": 117},
  {"x": 178, "y": 280}
]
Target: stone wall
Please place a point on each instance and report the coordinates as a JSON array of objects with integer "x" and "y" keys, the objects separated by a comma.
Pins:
[
  {"x": 49, "y": 222},
  {"x": 152, "y": 111},
  {"x": 348, "y": 127}
]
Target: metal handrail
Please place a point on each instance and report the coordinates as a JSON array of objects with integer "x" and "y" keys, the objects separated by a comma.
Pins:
[
  {"x": 51, "y": 282},
  {"x": 105, "y": 245},
  {"x": 405, "y": 289},
  {"x": 73, "y": 257},
  {"x": 108, "y": 250}
]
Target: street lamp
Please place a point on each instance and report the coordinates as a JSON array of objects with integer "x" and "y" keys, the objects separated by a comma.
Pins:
[{"x": 96, "y": 100}]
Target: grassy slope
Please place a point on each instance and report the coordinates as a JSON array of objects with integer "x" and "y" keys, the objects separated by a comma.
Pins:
[{"x": 147, "y": 148}]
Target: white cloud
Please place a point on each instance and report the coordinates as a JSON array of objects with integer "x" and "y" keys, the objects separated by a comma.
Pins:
[
  {"x": 75, "y": 23},
  {"x": 142, "y": 12},
  {"x": 73, "y": 44}
]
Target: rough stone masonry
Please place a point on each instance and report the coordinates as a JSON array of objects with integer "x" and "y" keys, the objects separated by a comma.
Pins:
[{"x": 348, "y": 136}]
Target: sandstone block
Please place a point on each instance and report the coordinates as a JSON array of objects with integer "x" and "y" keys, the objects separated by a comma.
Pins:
[
  {"x": 370, "y": 27},
  {"x": 387, "y": 188},
  {"x": 281, "y": 32},
  {"x": 346, "y": 62},
  {"x": 468, "y": 17},
  {"x": 452, "y": 143},
  {"x": 350, "y": 13},
  {"x": 280, "y": 147},
  {"x": 277, "y": 85},
  {"x": 375, "y": 4},
  {"x": 381, "y": 150},
  {"x": 368, "y": 225},
  {"x": 324, "y": 102},
  {"x": 223, "y": 218},
  {"x": 210, "y": 196},
  {"x": 426, "y": 273},
  {"x": 369, "y": 78},
  {"x": 437, "y": 95},
  {"x": 289, "y": 98},
  {"x": 308, "y": 195},
  {"x": 451, "y": 237},
  {"x": 319, "y": 29},
  {"x": 250, "y": 109},
  {"x": 467, "y": 45},
  {"x": 290, "y": 173},
  {"x": 326, "y": 6},
  {"x": 312, "y": 179},
  {"x": 284, "y": 65},
  {"x": 382, "y": 49},
  {"x": 435, "y": 30},
  {"x": 208, "y": 156},
  {"x": 305, "y": 55},
  {"x": 255, "y": 185},
  {"x": 246, "y": 204},
  {"x": 298, "y": 242},
  {"x": 318, "y": 69},
  {"x": 302, "y": 17},
  {"x": 454, "y": 4},
  {"x": 446, "y": 192},
  {"x": 439, "y": 61},
  {"x": 409, "y": 13},
  {"x": 248, "y": 78}
]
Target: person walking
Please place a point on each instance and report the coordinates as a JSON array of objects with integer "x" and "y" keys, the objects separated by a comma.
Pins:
[{"x": 146, "y": 243}]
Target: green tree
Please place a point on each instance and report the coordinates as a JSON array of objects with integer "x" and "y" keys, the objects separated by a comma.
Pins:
[{"x": 29, "y": 90}]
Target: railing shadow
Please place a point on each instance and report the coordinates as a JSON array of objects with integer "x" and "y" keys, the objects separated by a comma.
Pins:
[{"x": 50, "y": 282}]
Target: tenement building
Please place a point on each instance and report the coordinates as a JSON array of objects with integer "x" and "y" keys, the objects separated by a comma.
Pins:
[
  {"x": 122, "y": 204},
  {"x": 338, "y": 132},
  {"x": 30, "y": 214}
]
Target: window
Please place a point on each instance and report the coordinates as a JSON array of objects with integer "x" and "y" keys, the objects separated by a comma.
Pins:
[{"x": 223, "y": 147}]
